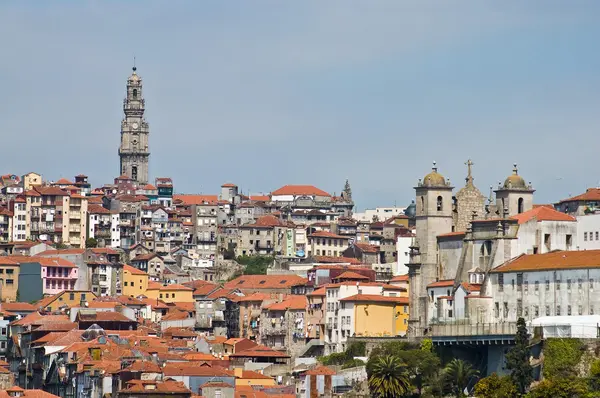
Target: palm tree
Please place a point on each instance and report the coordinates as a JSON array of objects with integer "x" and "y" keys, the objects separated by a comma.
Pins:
[
  {"x": 389, "y": 378},
  {"x": 459, "y": 374}
]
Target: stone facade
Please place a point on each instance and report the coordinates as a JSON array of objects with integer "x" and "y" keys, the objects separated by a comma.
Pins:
[
  {"x": 469, "y": 203},
  {"x": 134, "y": 152}
]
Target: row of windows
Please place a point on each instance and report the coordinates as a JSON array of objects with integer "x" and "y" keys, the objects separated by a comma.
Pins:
[
  {"x": 166, "y": 295},
  {"x": 329, "y": 242},
  {"x": 524, "y": 285},
  {"x": 535, "y": 310},
  {"x": 333, "y": 253},
  {"x": 591, "y": 236}
]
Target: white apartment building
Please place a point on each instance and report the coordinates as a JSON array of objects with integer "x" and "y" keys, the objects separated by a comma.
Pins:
[
  {"x": 588, "y": 232},
  {"x": 19, "y": 224},
  {"x": 562, "y": 283},
  {"x": 382, "y": 213}
]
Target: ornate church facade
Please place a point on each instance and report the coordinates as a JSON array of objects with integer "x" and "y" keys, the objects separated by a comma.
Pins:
[
  {"x": 457, "y": 235},
  {"x": 134, "y": 152}
]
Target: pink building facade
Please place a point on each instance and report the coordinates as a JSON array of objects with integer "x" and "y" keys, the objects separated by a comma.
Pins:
[{"x": 58, "y": 274}]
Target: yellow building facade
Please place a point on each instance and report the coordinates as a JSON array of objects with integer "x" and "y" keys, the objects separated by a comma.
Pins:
[
  {"x": 378, "y": 316},
  {"x": 68, "y": 298},
  {"x": 135, "y": 281},
  {"x": 9, "y": 279},
  {"x": 176, "y": 294}
]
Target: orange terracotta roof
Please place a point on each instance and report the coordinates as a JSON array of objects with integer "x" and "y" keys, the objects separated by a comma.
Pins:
[
  {"x": 299, "y": 190},
  {"x": 97, "y": 209},
  {"x": 153, "y": 285},
  {"x": 442, "y": 283},
  {"x": 471, "y": 288},
  {"x": 228, "y": 185},
  {"x": 183, "y": 306},
  {"x": 53, "y": 262},
  {"x": 176, "y": 316},
  {"x": 18, "y": 307},
  {"x": 367, "y": 248},
  {"x": 265, "y": 282},
  {"x": 193, "y": 369},
  {"x": 257, "y": 296},
  {"x": 266, "y": 221},
  {"x": 552, "y": 261},
  {"x": 103, "y": 316},
  {"x": 26, "y": 393},
  {"x": 175, "y": 287},
  {"x": 542, "y": 213},
  {"x": 145, "y": 257},
  {"x": 591, "y": 194},
  {"x": 149, "y": 187},
  {"x": 205, "y": 289},
  {"x": 260, "y": 351},
  {"x": 293, "y": 302},
  {"x": 319, "y": 292},
  {"x": 133, "y": 270},
  {"x": 400, "y": 278},
  {"x": 326, "y": 234},
  {"x": 165, "y": 387},
  {"x": 196, "y": 199},
  {"x": 377, "y": 298},
  {"x": 353, "y": 276},
  {"x": 260, "y": 198},
  {"x": 63, "y": 181}
]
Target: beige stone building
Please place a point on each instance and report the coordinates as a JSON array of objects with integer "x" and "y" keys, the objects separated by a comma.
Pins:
[
  {"x": 323, "y": 243},
  {"x": 268, "y": 235}
]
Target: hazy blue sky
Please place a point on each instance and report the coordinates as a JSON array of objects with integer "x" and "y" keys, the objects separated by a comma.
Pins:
[{"x": 268, "y": 93}]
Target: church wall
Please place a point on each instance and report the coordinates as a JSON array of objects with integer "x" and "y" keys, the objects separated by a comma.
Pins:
[{"x": 449, "y": 256}]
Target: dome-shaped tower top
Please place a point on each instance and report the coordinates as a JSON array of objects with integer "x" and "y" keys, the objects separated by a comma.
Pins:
[
  {"x": 515, "y": 181},
  {"x": 434, "y": 178}
]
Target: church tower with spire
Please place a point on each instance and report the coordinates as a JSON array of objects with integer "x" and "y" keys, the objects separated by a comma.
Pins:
[{"x": 134, "y": 151}]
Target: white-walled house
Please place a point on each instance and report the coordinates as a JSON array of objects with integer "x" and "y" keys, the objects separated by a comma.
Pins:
[{"x": 588, "y": 232}]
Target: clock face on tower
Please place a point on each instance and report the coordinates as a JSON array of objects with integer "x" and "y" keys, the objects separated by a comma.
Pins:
[{"x": 135, "y": 126}]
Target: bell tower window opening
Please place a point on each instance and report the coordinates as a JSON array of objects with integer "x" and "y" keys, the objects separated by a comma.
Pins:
[
  {"x": 520, "y": 206},
  {"x": 422, "y": 204},
  {"x": 440, "y": 206},
  {"x": 134, "y": 172},
  {"x": 135, "y": 93}
]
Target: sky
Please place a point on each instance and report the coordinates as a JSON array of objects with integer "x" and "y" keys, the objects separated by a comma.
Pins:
[{"x": 269, "y": 93}]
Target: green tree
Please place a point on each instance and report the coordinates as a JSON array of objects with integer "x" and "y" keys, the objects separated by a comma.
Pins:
[
  {"x": 459, "y": 375},
  {"x": 517, "y": 359},
  {"x": 388, "y": 378},
  {"x": 495, "y": 386},
  {"x": 255, "y": 265},
  {"x": 561, "y": 357},
  {"x": 60, "y": 246},
  {"x": 562, "y": 387},
  {"x": 91, "y": 242},
  {"x": 422, "y": 366}
]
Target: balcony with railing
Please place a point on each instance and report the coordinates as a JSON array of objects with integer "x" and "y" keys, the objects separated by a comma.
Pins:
[
  {"x": 126, "y": 223},
  {"x": 74, "y": 228},
  {"x": 47, "y": 228},
  {"x": 75, "y": 215},
  {"x": 102, "y": 233}
]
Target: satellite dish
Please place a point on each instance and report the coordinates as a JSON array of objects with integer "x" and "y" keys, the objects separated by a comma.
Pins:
[{"x": 87, "y": 304}]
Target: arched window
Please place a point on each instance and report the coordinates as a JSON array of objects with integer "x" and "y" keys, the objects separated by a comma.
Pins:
[
  {"x": 520, "y": 206},
  {"x": 439, "y": 203},
  {"x": 134, "y": 173},
  {"x": 135, "y": 93},
  {"x": 422, "y": 204}
]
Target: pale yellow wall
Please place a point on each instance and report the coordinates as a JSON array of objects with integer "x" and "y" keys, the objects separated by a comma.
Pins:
[
  {"x": 71, "y": 299},
  {"x": 31, "y": 179},
  {"x": 254, "y": 382},
  {"x": 134, "y": 285},
  {"x": 374, "y": 319},
  {"x": 181, "y": 296},
  {"x": 401, "y": 319},
  {"x": 151, "y": 293}
]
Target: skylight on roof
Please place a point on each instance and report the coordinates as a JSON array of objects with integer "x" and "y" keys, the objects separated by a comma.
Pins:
[
  {"x": 283, "y": 281},
  {"x": 240, "y": 282},
  {"x": 261, "y": 282}
]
